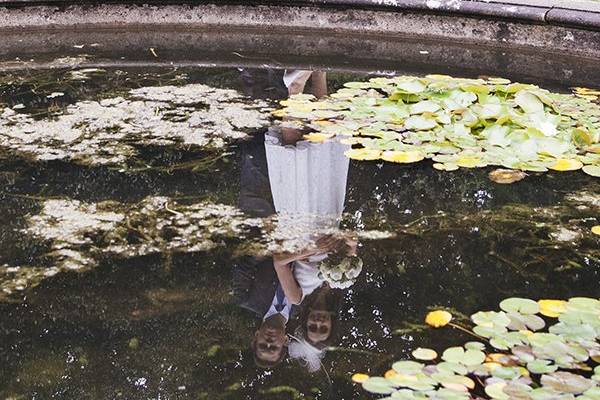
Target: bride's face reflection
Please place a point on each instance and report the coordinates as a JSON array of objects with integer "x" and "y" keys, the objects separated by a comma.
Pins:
[{"x": 318, "y": 326}]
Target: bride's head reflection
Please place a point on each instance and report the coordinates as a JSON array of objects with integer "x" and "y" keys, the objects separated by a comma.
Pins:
[
  {"x": 318, "y": 321},
  {"x": 318, "y": 327}
]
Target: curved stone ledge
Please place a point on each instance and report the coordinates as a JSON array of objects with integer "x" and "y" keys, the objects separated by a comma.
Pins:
[
  {"x": 575, "y": 13},
  {"x": 347, "y": 34}
]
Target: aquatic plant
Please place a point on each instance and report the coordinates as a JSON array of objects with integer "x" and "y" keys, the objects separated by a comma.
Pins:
[
  {"x": 458, "y": 123},
  {"x": 110, "y": 130},
  {"x": 515, "y": 357},
  {"x": 80, "y": 235}
]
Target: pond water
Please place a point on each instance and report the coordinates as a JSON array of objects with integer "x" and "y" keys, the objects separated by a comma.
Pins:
[{"x": 141, "y": 211}]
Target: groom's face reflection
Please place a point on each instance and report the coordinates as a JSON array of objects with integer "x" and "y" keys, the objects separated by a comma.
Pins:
[{"x": 269, "y": 344}]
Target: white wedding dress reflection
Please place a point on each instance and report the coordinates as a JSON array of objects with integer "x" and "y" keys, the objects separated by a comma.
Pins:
[{"x": 308, "y": 184}]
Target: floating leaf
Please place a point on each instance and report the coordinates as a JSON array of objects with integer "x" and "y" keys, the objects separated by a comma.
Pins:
[
  {"x": 586, "y": 91},
  {"x": 438, "y": 318},
  {"x": 520, "y": 305},
  {"x": 363, "y": 154},
  {"x": 564, "y": 164},
  {"x": 490, "y": 319},
  {"x": 424, "y": 354},
  {"x": 470, "y": 162},
  {"x": 552, "y": 308},
  {"x": 541, "y": 367},
  {"x": 419, "y": 122},
  {"x": 567, "y": 382},
  {"x": 378, "y": 385},
  {"x": 596, "y": 230},
  {"x": 412, "y": 86},
  {"x": 359, "y": 378},
  {"x": 389, "y": 373},
  {"x": 445, "y": 166},
  {"x": 593, "y": 170},
  {"x": 424, "y": 106},
  {"x": 496, "y": 391},
  {"x": 407, "y": 367},
  {"x": 474, "y": 346},
  {"x": 529, "y": 102},
  {"x": 318, "y": 137},
  {"x": 402, "y": 156}
]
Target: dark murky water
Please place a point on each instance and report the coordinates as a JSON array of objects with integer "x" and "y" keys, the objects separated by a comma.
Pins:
[{"x": 147, "y": 319}]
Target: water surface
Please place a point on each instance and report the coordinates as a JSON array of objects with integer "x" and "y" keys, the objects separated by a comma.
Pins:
[{"x": 118, "y": 257}]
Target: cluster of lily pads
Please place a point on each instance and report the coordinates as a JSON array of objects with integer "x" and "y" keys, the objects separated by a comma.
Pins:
[
  {"x": 455, "y": 122},
  {"x": 515, "y": 357}
]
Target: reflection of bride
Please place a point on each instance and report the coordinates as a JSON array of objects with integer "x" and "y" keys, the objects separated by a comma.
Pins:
[{"x": 308, "y": 184}]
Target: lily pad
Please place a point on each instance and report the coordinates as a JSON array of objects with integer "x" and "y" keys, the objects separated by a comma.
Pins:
[
  {"x": 424, "y": 354},
  {"x": 520, "y": 305},
  {"x": 593, "y": 170}
]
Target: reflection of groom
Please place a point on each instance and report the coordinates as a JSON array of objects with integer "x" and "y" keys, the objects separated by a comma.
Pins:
[
  {"x": 256, "y": 284},
  {"x": 259, "y": 285}
]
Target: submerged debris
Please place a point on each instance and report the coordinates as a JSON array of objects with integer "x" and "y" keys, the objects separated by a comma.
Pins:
[
  {"x": 506, "y": 176},
  {"x": 108, "y": 131}
]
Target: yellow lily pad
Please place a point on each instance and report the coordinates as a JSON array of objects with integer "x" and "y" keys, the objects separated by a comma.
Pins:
[
  {"x": 445, "y": 166},
  {"x": 402, "y": 156},
  {"x": 470, "y": 162},
  {"x": 363, "y": 154},
  {"x": 351, "y": 140},
  {"x": 587, "y": 91},
  {"x": 566, "y": 164},
  {"x": 389, "y": 373},
  {"x": 438, "y": 318},
  {"x": 359, "y": 378},
  {"x": 318, "y": 137},
  {"x": 279, "y": 113},
  {"x": 552, "y": 308}
]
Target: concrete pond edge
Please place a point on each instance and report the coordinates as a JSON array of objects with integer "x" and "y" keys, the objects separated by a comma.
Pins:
[
  {"x": 543, "y": 26},
  {"x": 574, "y": 13}
]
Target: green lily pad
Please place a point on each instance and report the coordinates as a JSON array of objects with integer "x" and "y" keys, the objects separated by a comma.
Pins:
[
  {"x": 566, "y": 382},
  {"x": 424, "y": 354},
  {"x": 520, "y": 305},
  {"x": 496, "y": 391},
  {"x": 529, "y": 102},
  {"x": 378, "y": 385},
  {"x": 490, "y": 319},
  {"x": 593, "y": 170},
  {"x": 407, "y": 367},
  {"x": 541, "y": 367},
  {"x": 460, "y": 356}
]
